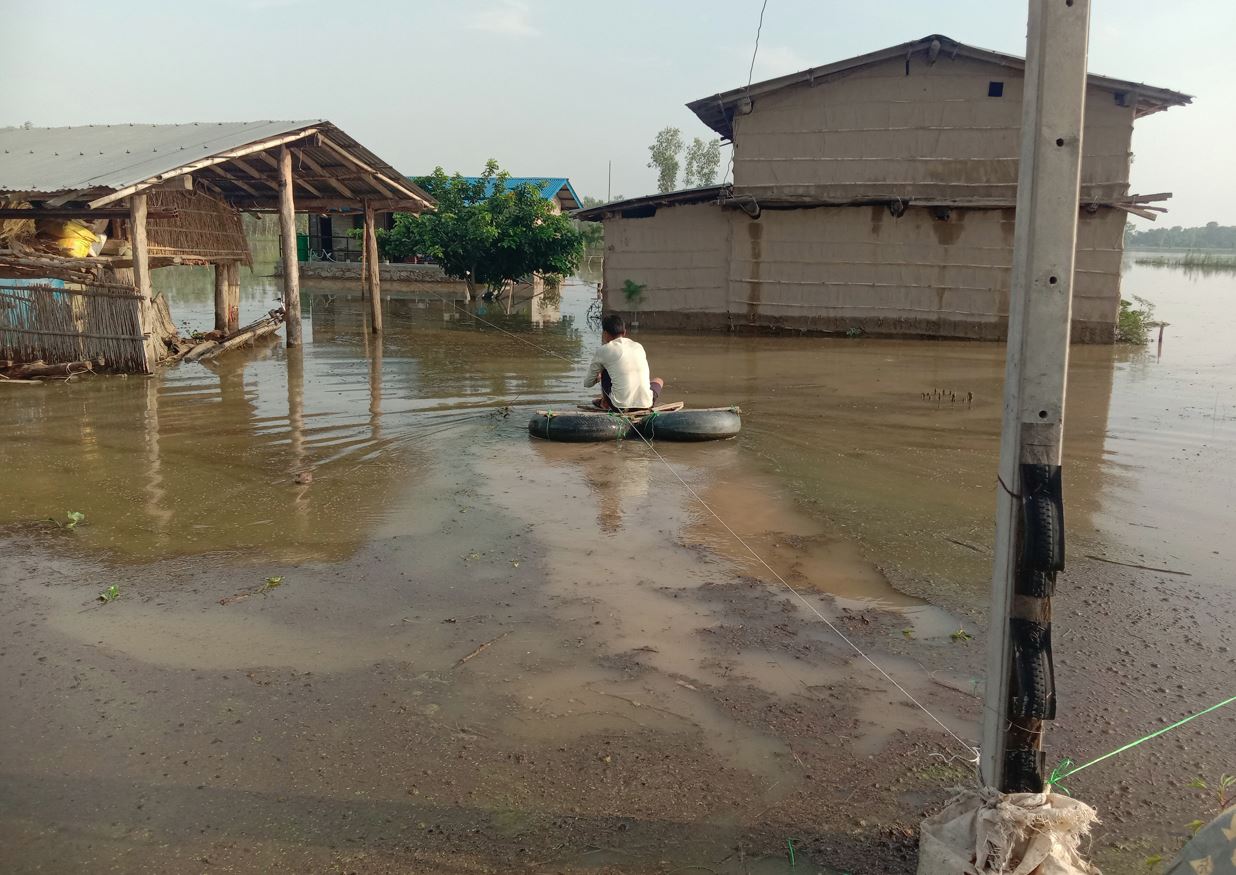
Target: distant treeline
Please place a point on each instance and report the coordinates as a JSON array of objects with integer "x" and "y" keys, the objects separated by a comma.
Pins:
[{"x": 1212, "y": 235}]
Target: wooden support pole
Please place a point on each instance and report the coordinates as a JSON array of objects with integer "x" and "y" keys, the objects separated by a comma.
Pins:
[
  {"x": 233, "y": 296},
  {"x": 141, "y": 278},
  {"x": 372, "y": 270},
  {"x": 287, "y": 238},
  {"x": 1020, "y": 694},
  {"x": 221, "y": 296}
]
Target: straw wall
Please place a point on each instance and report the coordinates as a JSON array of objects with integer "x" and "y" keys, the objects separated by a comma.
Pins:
[
  {"x": 206, "y": 228},
  {"x": 71, "y": 322}
]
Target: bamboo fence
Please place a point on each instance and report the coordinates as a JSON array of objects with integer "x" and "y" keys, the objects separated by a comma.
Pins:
[{"x": 74, "y": 322}]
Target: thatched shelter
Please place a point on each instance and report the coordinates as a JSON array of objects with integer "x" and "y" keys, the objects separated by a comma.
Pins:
[{"x": 87, "y": 212}]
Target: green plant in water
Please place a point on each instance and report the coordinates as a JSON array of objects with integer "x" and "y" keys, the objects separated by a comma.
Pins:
[
  {"x": 110, "y": 594},
  {"x": 271, "y": 583},
  {"x": 633, "y": 292},
  {"x": 854, "y": 332},
  {"x": 1134, "y": 322},
  {"x": 908, "y": 633},
  {"x": 71, "y": 519},
  {"x": 960, "y": 635}
]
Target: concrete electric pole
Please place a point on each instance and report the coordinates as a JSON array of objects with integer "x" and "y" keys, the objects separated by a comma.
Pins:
[{"x": 1030, "y": 512}]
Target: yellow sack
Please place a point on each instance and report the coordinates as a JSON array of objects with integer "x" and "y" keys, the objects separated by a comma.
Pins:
[{"x": 71, "y": 236}]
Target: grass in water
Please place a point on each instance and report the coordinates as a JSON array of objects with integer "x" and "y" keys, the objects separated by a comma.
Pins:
[{"x": 1206, "y": 261}]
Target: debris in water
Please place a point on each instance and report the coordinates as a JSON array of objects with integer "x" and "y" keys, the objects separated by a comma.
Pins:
[
  {"x": 110, "y": 594},
  {"x": 481, "y": 649}
]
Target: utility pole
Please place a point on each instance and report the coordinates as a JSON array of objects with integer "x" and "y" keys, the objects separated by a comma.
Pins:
[
  {"x": 609, "y": 183},
  {"x": 1021, "y": 692}
]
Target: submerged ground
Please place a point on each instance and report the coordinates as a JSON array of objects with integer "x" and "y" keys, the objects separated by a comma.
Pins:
[{"x": 365, "y": 624}]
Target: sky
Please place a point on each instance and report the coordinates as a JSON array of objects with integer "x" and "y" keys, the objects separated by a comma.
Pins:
[{"x": 564, "y": 87}]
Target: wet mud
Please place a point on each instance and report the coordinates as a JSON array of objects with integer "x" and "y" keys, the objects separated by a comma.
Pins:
[{"x": 488, "y": 654}]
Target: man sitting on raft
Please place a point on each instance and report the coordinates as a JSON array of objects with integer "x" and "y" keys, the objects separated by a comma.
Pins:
[{"x": 621, "y": 366}]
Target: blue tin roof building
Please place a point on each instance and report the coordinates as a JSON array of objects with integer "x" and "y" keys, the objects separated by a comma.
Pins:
[{"x": 552, "y": 188}]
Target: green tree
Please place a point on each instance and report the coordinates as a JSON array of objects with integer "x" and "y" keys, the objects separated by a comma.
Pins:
[
  {"x": 484, "y": 233},
  {"x": 664, "y": 151},
  {"x": 703, "y": 159}
]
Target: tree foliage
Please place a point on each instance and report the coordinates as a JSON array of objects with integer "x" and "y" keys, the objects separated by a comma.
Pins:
[
  {"x": 664, "y": 153},
  {"x": 703, "y": 160},
  {"x": 1212, "y": 235},
  {"x": 484, "y": 233}
]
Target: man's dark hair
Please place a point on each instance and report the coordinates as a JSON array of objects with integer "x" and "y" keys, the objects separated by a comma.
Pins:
[{"x": 613, "y": 325}]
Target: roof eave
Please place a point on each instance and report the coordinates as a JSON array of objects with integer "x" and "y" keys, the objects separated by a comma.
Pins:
[
  {"x": 704, "y": 194},
  {"x": 717, "y": 111}
]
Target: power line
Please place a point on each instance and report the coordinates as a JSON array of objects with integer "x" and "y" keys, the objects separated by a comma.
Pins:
[{"x": 750, "y": 76}]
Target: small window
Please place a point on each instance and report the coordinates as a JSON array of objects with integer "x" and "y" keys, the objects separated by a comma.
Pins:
[{"x": 995, "y": 89}]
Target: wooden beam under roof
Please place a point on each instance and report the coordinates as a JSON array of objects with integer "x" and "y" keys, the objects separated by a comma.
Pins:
[
  {"x": 335, "y": 183},
  {"x": 254, "y": 172},
  {"x": 352, "y": 159},
  {"x": 239, "y": 183},
  {"x": 263, "y": 204},
  {"x": 300, "y": 180}
]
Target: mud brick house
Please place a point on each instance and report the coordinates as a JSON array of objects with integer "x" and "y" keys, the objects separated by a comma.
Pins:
[{"x": 875, "y": 195}]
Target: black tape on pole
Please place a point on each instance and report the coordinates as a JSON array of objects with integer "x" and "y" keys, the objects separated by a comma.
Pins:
[
  {"x": 1042, "y": 507},
  {"x": 1033, "y": 690}
]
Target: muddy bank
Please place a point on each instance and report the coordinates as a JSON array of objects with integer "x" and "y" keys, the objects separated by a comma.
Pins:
[{"x": 651, "y": 709}]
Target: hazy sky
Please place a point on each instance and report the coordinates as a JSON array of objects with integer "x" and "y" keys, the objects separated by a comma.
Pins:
[{"x": 561, "y": 87}]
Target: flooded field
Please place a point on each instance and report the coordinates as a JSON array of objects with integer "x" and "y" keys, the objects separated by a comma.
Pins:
[{"x": 486, "y": 653}]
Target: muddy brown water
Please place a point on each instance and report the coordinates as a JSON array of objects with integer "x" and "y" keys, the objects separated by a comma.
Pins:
[{"x": 392, "y": 485}]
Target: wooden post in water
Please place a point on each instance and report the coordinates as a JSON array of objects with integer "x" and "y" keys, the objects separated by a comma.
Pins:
[
  {"x": 221, "y": 296},
  {"x": 1020, "y": 693},
  {"x": 233, "y": 296},
  {"x": 287, "y": 239},
  {"x": 141, "y": 279},
  {"x": 372, "y": 270}
]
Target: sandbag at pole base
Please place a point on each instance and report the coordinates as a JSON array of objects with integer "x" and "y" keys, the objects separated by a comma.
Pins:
[{"x": 990, "y": 833}]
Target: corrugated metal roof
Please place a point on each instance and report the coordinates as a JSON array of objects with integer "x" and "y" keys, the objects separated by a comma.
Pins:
[
  {"x": 718, "y": 110},
  {"x": 117, "y": 156},
  {"x": 550, "y": 187}
]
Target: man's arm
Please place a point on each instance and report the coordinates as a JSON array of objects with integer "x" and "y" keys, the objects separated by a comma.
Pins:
[{"x": 594, "y": 370}]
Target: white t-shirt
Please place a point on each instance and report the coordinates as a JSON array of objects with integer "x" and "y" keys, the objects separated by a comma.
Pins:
[{"x": 627, "y": 365}]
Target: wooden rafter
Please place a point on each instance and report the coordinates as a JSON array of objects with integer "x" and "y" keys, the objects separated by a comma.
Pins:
[
  {"x": 317, "y": 168},
  {"x": 300, "y": 180},
  {"x": 352, "y": 159},
  {"x": 235, "y": 180},
  {"x": 254, "y": 172}
]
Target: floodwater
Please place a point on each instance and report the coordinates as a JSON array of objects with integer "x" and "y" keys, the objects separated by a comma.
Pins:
[
  {"x": 391, "y": 484},
  {"x": 886, "y": 447}
]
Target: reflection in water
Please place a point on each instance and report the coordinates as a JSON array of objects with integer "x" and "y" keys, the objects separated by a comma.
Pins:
[{"x": 301, "y": 471}]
